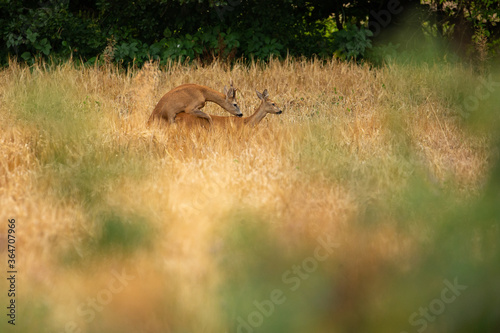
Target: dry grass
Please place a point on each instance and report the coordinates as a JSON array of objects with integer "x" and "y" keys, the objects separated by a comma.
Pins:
[{"x": 206, "y": 222}]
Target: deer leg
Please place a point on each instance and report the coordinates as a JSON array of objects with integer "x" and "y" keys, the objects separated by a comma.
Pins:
[{"x": 201, "y": 114}]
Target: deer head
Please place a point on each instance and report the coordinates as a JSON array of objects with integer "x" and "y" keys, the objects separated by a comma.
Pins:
[
  {"x": 268, "y": 105},
  {"x": 231, "y": 99}
]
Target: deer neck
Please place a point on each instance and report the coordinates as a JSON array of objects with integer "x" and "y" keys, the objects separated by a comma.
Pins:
[
  {"x": 257, "y": 116},
  {"x": 216, "y": 97}
]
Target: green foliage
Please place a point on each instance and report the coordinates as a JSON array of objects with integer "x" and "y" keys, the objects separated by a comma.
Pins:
[
  {"x": 204, "y": 43},
  {"x": 204, "y": 29},
  {"x": 161, "y": 30},
  {"x": 182, "y": 48},
  {"x": 383, "y": 53},
  {"x": 473, "y": 25},
  {"x": 260, "y": 46},
  {"x": 352, "y": 42},
  {"x": 47, "y": 30},
  {"x": 221, "y": 43},
  {"x": 133, "y": 50}
]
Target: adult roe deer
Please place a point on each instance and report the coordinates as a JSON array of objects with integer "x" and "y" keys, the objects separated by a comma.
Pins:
[
  {"x": 190, "y": 98},
  {"x": 266, "y": 106}
]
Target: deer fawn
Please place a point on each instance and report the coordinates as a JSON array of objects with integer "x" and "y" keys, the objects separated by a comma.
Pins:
[
  {"x": 190, "y": 98},
  {"x": 265, "y": 107}
]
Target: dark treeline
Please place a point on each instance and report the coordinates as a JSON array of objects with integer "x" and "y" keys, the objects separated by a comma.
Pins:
[{"x": 135, "y": 31}]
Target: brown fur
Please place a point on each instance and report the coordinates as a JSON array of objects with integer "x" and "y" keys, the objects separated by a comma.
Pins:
[
  {"x": 266, "y": 106},
  {"x": 191, "y": 98}
]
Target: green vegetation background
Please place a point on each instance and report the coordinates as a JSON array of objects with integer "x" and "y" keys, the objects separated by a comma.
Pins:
[{"x": 136, "y": 31}]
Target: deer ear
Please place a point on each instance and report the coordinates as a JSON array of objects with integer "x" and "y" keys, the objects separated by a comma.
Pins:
[
  {"x": 230, "y": 93},
  {"x": 265, "y": 94},
  {"x": 259, "y": 95}
]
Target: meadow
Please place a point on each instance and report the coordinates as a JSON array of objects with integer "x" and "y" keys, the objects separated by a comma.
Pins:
[{"x": 369, "y": 205}]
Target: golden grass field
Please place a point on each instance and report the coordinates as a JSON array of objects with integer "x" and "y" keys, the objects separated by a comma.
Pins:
[{"x": 121, "y": 227}]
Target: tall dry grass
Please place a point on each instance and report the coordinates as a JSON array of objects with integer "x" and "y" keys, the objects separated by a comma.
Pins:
[{"x": 204, "y": 223}]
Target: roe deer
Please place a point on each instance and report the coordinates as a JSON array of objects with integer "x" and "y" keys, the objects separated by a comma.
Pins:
[
  {"x": 190, "y": 98},
  {"x": 265, "y": 107}
]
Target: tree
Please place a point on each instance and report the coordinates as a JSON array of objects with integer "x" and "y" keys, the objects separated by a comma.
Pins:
[{"x": 180, "y": 29}]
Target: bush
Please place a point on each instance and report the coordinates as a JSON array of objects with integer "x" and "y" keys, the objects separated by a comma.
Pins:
[
  {"x": 352, "y": 42},
  {"x": 157, "y": 29},
  {"x": 48, "y": 30}
]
